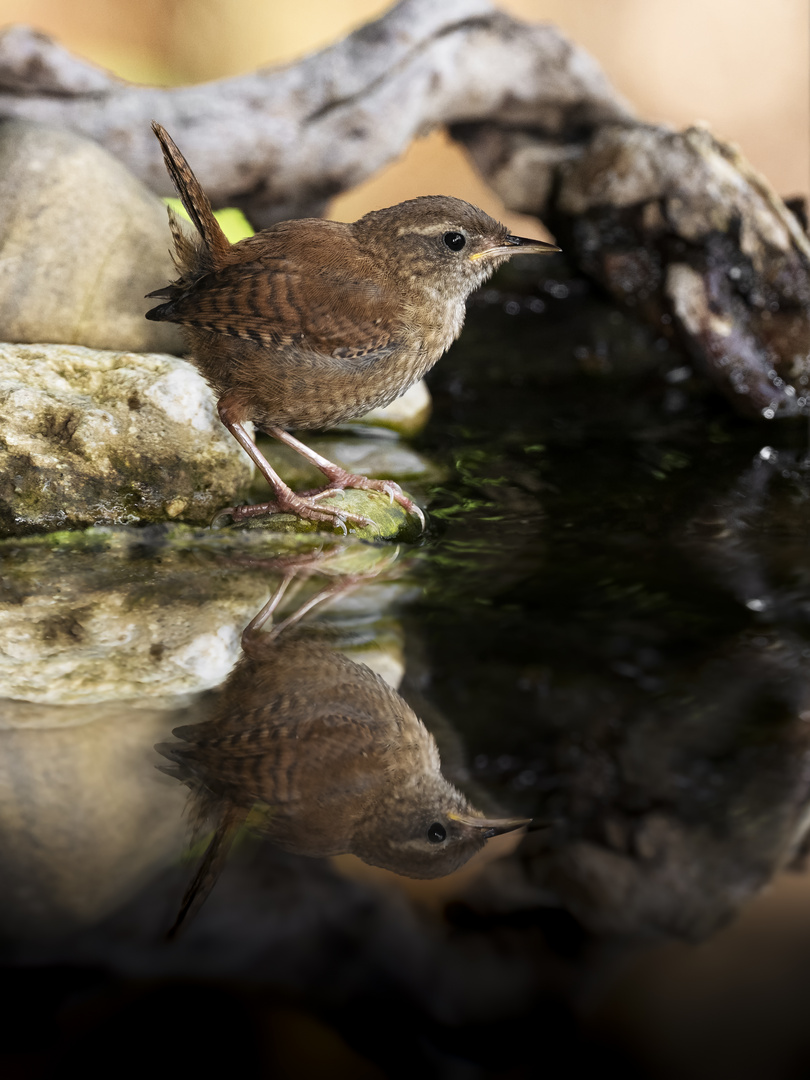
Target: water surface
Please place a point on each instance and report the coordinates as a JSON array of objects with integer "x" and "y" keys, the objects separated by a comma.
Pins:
[{"x": 605, "y": 630}]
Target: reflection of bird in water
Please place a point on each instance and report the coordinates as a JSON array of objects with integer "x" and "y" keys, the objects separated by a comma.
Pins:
[{"x": 337, "y": 759}]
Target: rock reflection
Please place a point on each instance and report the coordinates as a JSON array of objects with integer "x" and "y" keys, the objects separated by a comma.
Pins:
[
  {"x": 98, "y": 633},
  {"x": 675, "y": 753},
  {"x": 667, "y": 826},
  {"x": 327, "y": 759}
]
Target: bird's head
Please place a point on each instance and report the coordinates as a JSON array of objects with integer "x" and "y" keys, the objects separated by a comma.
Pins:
[
  {"x": 440, "y": 242},
  {"x": 424, "y": 837}
]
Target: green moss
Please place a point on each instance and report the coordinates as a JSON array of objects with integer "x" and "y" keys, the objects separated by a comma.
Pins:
[
  {"x": 390, "y": 521},
  {"x": 234, "y": 223}
]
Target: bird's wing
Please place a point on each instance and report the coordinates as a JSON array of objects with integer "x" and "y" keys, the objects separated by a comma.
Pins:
[
  {"x": 281, "y": 298},
  {"x": 264, "y": 760}
]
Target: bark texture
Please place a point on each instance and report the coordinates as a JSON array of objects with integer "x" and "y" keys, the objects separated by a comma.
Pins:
[
  {"x": 280, "y": 142},
  {"x": 674, "y": 225},
  {"x": 680, "y": 228}
]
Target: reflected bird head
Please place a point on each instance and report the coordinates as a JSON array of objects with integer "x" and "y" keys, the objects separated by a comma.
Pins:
[
  {"x": 427, "y": 834},
  {"x": 336, "y": 758}
]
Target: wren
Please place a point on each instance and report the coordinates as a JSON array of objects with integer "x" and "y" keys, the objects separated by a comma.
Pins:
[
  {"x": 332, "y": 757},
  {"x": 311, "y": 323}
]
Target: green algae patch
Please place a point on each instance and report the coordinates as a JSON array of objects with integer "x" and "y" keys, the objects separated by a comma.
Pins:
[{"x": 389, "y": 520}]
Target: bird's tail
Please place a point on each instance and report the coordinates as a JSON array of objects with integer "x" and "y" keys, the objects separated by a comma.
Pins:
[
  {"x": 196, "y": 202},
  {"x": 209, "y": 869}
]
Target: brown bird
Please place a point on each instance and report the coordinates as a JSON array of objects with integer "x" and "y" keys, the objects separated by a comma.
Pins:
[
  {"x": 311, "y": 323},
  {"x": 334, "y": 757}
]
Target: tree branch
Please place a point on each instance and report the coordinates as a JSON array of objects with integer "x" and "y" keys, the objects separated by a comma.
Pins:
[
  {"x": 675, "y": 225},
  {"x": 281, "y": 142}
]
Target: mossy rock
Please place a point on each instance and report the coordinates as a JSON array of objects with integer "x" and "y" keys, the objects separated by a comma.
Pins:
[
  {"x": 109, "y": 438},
  {"x": 390, "y": 520},
  {"x": 148, "y": 614}
]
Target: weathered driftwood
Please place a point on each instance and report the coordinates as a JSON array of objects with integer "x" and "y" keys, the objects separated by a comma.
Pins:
[
  {"x": 676, "y": 225},
  {"x": 281, "y": 142}
]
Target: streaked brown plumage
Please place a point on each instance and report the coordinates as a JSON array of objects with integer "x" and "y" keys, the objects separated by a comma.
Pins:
[
  {"x": 311, "y": 323},
  {"x": 337, "y": 759}
]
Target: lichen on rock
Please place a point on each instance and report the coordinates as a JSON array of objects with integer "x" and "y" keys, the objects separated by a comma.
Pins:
[
  {"x": 104, "y": 438},
  {"x": 152, "y": 615}
]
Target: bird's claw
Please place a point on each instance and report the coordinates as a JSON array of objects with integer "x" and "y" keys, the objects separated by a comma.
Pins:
[
  {"x": 395, "y": 494},
  {"x": 304, "y": 506},
  {"x": 321, "y": 493},
  {"x": 363, "y": 483},
  {"x": 418, "y": 512},
  {"x": 225, "y": 512}
]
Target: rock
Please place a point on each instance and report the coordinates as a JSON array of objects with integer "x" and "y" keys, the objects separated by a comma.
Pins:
[
  {"x": 94, "y": 437},
  {"x": 81, "y": 243},
  {"x": 381, "y": 457},
  {"x": 389, "y": 520},
  {"x": 87, "y": 819},
  {"x": 86, "y": 816},
  {"x": 406, "y": 416},
  {"x": 150, "y": 616},
  {"x": 680, "y": 229},
  {"x": 97, "y": 438}
]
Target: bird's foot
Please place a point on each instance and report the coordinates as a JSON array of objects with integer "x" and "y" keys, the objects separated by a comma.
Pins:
[
  {"x": 339, "y": 479},
  {"x": 302, "y": 506}
]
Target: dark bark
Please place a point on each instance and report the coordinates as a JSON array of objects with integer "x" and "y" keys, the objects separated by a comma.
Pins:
[{"x": 675, "y": 225}]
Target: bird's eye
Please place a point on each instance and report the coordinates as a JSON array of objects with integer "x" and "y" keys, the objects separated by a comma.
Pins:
[
  {"x": 436, "y": 833},
  {"x": 455, "y": 241}
]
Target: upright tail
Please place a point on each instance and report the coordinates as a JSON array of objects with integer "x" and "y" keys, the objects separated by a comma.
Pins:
[
  {"x": 209, "y": 869},
  {"x": 194, "y": 200}
]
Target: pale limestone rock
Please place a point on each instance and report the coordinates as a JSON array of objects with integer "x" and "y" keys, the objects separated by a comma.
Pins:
[
  {"x": 86, "y": 818},
  {"x": 85, "y": 814},
  {"x": 148, "y": 617},
  {"x": 95, "y": 438},
  {"x": 82, "y": 241}
]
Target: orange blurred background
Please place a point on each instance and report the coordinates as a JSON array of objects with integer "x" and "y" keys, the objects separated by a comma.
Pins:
[
  {"x": 744, "y": 67},
  {"x": 741, "y": 65}
]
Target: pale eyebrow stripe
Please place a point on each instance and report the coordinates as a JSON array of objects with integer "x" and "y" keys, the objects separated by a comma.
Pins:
[{"x": 429, "y": 230}]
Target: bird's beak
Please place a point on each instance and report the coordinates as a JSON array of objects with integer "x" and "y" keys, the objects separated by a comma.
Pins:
[
  {"x": 516, "y": 245},
  {"x": 490, "y": 826}
]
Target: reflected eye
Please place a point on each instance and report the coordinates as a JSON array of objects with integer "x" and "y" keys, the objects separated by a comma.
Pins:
[
  {"x": 436, "y": 833},
  {"x": 455, "y": 241}
]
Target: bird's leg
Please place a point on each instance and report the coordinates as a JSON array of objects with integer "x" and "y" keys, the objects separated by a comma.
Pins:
[
  {"x": 286, "y": 501},
  {"x": 344, "y": 584},
  {"x": 340, "y": 478},
  {"x": 328, "y": 592},
  {"x": 261, "y": 617}
]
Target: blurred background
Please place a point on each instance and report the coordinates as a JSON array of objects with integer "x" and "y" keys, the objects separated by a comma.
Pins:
[{"x": 741, "y": 65}]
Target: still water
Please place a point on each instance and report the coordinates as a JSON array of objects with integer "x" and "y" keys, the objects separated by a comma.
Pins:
[{"x": 531, "y": 794}]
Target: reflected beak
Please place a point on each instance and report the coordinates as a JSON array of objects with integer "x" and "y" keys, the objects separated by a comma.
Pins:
[
  {"x": 517, "y": 245},
  {"x": 490, "y": 826}
]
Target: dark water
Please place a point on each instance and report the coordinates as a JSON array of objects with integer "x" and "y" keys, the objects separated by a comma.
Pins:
[{"x": 605, "y": 630}]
